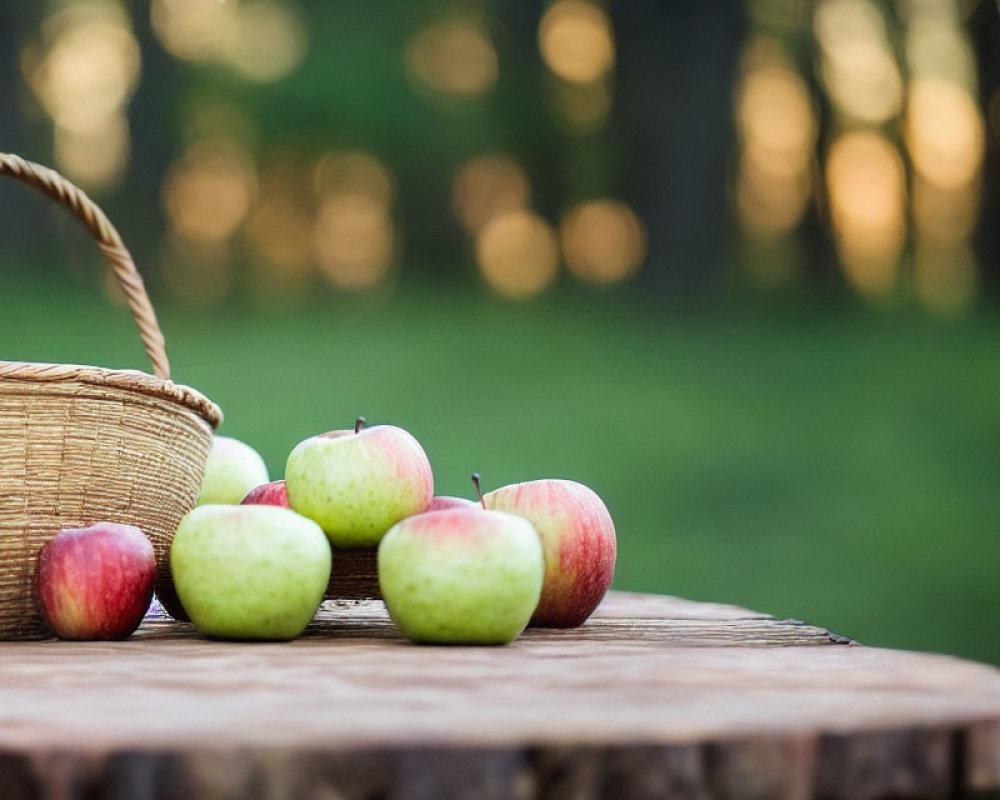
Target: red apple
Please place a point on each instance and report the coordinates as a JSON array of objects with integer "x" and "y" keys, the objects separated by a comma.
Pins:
[
  {"x": 579, "y": 541},
  {"x": 267, "y": 494},
  {"x": 96, "y": 582}
]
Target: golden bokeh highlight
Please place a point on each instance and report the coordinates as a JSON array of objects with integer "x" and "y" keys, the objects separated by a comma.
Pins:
[
  {"x": 946, "y": 279},
  {"x": 353, "y": 241},
  {"x": 864, "y": 81},
  {"x": 354, "y": 172},
  {"x": 518, "y": 254},
  {"x": 858, "y": 64},
  {"x": 776, "y": 119},
  {"x": 83, "y": 72},
  {"x": 945, "y": 135},
  {"x": 603, "y": 241},
  {"x": 455, "y": 58},
  {"x": 88, "y": 72},
  {"x": 261, "y": 40},
  {"x": 576, "y": 40},
  {"x": 944, "y": 132},
  {"x": 937, "y": 48},
  {"x": 866, "y": 186},
  {"x": 770, "y": 205},
  {"x": 267, "y": 42},
  {"x": 353, "y": 236},
  {"x": 486, "y": 186},
  {"x": 94, "y": 157},
  {"x": 777, "y": 129},
  {"x": 193, "y": 30},
  {"x": 208, "y": 191}
]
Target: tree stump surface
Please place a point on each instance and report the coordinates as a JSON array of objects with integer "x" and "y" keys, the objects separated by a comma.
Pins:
[{"x": 654, "y": 697}]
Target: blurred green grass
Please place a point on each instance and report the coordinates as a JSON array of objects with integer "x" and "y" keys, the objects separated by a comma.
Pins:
[{"x": 834, "y": 465}]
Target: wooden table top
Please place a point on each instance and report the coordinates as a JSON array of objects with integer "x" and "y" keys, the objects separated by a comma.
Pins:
[{"x": 654, "y": 697}]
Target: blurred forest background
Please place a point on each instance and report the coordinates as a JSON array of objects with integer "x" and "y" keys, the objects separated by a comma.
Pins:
[{"x": 732, "y": 264}]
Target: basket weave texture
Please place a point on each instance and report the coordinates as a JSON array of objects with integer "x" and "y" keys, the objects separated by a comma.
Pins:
[{"x": 81, "y": 444}]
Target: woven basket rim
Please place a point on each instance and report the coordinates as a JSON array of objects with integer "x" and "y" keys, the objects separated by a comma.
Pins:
[{"x": 128, "y": 379}]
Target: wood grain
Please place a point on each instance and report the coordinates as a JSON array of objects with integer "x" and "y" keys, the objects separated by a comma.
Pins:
[{"x": 654, "y": 697}]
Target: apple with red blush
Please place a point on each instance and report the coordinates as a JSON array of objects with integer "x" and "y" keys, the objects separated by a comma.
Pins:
[
  {"x": 95, "y": 583},
  {"x": 267, "y": 494},
  {"x": 444, "y": 502},
  {"x": 356, "y": 484},
  {"x": 461, "y": 575},
  {"x": 578, "y": 536}
]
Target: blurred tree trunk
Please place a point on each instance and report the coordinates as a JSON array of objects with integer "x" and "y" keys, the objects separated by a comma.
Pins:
[
  {"x": 676, "y": 68},
  {"x": 153, "y": 114},
  {"x": 19, "y": 221},
  {"x": 985, "y": 32}
]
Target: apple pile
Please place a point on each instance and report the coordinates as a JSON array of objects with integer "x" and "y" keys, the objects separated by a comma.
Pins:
[
  {"x": 450, "y": 570},
  {"x": 253, "y": 559}
]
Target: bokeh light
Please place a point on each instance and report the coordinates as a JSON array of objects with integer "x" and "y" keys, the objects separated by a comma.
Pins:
[
  {"x": 94, "y": 157},
  {"x": 83, "y": 73},
  {"x": 518, "y": 254},
  {"x": 768, "y": 204},
  {"x": 776, "y": 119},
  {"x": 353, "y": 235},
  {"x": 858, "y": 64},
  {"x": 576, "y": 40},
  {"x": 208, "y": 191},
  {"x": 354, "y": 172},
  {"x": 261, "y": 40},
  {"x": 353, "y": 241},
  {"x": 193, "y": 30},
  {"x": 603, "y": 241},
  {"x": 937, "y": 48},
  {"x": 866, "y": 187},
  {"x": 944, "y": 132},
  {"x": 267, "y": 41},
  {"x": 454, "y": 57},
  {"x": 487, "y": 185},
  {"x": 777, "y": 127}
]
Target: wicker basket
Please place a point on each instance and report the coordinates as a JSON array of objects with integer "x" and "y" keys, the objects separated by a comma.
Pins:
[{"x": 80, "y": 444}]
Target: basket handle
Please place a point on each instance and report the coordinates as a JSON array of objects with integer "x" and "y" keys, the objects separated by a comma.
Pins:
[{"x": 76, "y": 200}]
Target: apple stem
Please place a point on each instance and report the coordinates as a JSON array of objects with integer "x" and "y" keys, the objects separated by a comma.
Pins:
[
  {"x": 479, "y": 491},
  {"x": 359, "y": 423}
]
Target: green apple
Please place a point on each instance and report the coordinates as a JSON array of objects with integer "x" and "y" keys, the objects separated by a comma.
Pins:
[
  {"x": 580, "y": 545},
  {"x": 232, "y": 470},
  {"x": 461, "y": 576},
  {"x": 358, "y": 483},
  {"x": 249, "y": 571}
]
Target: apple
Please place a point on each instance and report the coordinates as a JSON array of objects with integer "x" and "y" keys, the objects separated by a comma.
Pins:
[
  {"x": 461, "y": 576},
  {"x": 579, "y": 540},
  {"x": 267, "y": 494},
  {"x": 443, "y": 502},
  {"x": 96, "y": 582},
  {"x": 249, "y": 571},
  {"x": 233, "y": 469},
  {"x": 359, "y": 483}
]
